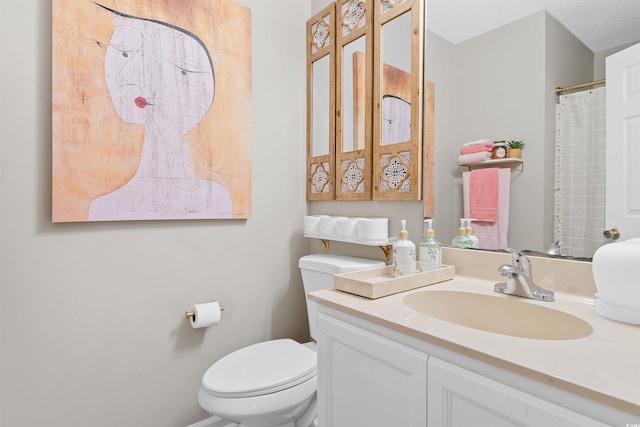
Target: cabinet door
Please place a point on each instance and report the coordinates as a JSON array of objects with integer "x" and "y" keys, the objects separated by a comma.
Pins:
[
  {"x": 461, "y": 398},
  {"x": 367, "y": 380}
]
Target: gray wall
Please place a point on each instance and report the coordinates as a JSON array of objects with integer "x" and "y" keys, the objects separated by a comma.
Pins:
[{"x": 92, "y": 315}]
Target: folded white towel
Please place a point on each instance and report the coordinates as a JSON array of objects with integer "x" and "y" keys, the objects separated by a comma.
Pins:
[{"x": 481, "y": 156}]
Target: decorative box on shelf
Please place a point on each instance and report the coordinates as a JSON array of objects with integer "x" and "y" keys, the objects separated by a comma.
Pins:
[{"x": 379, "y": 282}]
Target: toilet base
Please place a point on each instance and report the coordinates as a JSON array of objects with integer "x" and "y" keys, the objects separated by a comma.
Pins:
[{"x": 280, "y": 409}]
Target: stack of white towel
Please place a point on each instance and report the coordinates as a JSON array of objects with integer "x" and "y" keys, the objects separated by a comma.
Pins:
[{"x": 475, "y": 152}]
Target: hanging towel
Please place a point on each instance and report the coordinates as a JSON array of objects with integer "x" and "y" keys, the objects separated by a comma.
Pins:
[
  {"x": 492, "y": 235},
  {"x": 483, "y": 194},
  {"x": 476, "y": 148},
  {"x": 465, "y": 159}
]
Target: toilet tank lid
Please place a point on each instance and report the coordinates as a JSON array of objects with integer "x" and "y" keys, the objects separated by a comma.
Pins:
[{"x": 334, "y": 263}]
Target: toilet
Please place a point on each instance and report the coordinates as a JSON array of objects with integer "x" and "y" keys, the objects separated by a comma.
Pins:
[{"x": 273, "y": 383}]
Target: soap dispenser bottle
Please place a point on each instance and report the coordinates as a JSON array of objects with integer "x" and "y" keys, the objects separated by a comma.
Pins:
[
  {"x": 461, "y": 240},
  {"x": 404, "y": 253},
  {"x": 474, "y": 241},
  {"x": 430, "y": 249}
]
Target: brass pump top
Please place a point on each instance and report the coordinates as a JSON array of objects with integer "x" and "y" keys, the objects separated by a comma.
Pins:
[{"x": 404, "y": 234}]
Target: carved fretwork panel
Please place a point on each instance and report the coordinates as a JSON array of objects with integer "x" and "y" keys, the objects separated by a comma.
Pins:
[
  {"x": 387, "y": 5},
  {"x": 353, "y": 179},
  {"x": 353, "y": 15},
  {"x": 396, "y": 172},
  {"x": 321, "y": 105},
  {"x": 321, "y": 179}
]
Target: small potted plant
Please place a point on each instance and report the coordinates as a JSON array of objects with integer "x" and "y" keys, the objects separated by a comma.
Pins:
[{"x": 515, "y": 148}]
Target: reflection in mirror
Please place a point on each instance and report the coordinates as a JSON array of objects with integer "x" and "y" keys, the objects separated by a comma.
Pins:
[
  {"x": 320, "y": 111},
  {"x": 321, "y": 140},
  {"x": 396, "y": 80},
  {"x": 483, "y": 99},
  {"x": 353, "y": 107}
]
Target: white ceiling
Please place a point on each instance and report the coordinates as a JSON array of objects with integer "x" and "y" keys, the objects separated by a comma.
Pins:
[{"x": 599, "y": 24}]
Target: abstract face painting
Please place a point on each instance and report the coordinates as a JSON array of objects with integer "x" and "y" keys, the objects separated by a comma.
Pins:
[
  {"x": 159, "y": 77},
  {"x": 170, "y": 66}
]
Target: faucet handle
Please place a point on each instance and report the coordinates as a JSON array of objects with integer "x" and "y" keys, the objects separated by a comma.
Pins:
[
  {"x": 508, "y": 270},
  {"x": 521, "y": 261}
]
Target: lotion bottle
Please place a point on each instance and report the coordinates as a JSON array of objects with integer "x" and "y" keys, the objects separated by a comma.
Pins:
[
  {"x": 404, "y": 253},
  {"x": 461, "y": 240},
  {"x": 430, "y": 249},
  {"x": 475, "y": 242}
]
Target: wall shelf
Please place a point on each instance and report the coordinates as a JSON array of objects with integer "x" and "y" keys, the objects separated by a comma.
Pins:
[
  {"x": 515, "y": 164},
  {"x": 385, "y": 245}
]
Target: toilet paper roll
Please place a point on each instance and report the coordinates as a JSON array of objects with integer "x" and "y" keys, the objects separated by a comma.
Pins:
[{"x": 206, "y": 314}]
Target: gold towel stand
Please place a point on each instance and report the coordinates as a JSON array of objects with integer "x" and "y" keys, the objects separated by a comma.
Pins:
[{"x": 192, "y": 315}]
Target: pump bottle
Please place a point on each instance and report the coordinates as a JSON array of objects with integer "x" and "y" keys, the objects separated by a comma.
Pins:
[
  {"x": 475, "y": 242},
  {"x": 404, "y": 253},
  {"x": 461, "y": 240},
  {"x": 430, "y": 249}
]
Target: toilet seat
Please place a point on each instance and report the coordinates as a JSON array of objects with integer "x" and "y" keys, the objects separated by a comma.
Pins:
[{"x": 260, "y": 369}]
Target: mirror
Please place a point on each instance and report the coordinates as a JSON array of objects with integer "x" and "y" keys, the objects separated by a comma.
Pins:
[
  {"x": 321, "y": 105},
  {"x": 501, "y": 85},
  {"x": 398, "y": 100},
  {"x": 320, "y": 92},
  {"x": 353, "y": 96},
  {"x": 396, "y": 80},
  {"x": 353, "y": 115}
]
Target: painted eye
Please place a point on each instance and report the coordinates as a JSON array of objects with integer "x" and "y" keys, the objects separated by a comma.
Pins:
[
  {"x": 125, "y": 54},
  {"x": 184, "y": 72}
]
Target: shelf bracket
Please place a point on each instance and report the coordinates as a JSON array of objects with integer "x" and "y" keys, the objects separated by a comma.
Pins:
[
  {"x": 385, "y": 248},
  {"x": 387, "y": 251}
]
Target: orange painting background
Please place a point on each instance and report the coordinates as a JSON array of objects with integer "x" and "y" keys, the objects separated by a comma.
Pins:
[{"x": 94, "y": 151}]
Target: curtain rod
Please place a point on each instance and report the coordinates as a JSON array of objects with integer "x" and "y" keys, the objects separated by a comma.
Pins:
[{"x": 559, "y": 90}]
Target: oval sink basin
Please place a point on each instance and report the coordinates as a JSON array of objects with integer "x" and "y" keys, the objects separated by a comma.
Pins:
[{"x": 501, "y": 315}]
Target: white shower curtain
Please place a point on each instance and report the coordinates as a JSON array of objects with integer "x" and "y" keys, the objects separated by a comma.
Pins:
[{"x": 580, "y": 172}]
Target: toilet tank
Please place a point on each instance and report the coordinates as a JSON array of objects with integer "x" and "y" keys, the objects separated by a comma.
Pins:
[{"x": 317, "y": 273}]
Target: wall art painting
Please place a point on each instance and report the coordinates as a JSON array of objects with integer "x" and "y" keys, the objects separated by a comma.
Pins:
[{"x": 151, "y": 110}]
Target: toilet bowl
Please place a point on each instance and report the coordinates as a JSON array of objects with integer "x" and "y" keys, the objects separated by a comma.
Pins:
[{"x": 274, "y": 383}]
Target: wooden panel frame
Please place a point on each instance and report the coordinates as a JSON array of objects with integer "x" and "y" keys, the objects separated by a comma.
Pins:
[
  {"x": 321, "y": 173},
  {"x": 428, "y": 197},
  {"x": 402, "y": 160},
  {"x": 354, "y": 167}
]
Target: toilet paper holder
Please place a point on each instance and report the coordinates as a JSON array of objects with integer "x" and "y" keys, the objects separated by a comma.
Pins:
[{"x": 191, "y": 314}]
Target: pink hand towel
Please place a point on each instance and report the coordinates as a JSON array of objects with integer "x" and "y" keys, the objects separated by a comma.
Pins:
[
  {"x": 477, "y": 141},
  {"x": 492, "y": 235},
  {"x": 476, "y": 148},
  {"x": 483, "y": 194}
]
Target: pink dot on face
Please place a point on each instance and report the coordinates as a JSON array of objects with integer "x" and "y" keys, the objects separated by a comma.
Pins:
[{"x": 140, "y": 102}]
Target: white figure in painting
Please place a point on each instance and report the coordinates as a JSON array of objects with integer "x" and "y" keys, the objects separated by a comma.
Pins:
[
  {"x": 161, "y": 77},
  {"x": 396, "y": 120}
]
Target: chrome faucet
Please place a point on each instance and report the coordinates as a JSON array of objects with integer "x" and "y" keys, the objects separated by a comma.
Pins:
[{"x": 520, "y": 279}]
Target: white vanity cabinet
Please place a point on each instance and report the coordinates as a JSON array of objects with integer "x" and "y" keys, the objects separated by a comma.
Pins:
[
  {"x": 369, "y": 375},
  {"x": 461, "y": 398},
  {"x": 367, "y": 380}
]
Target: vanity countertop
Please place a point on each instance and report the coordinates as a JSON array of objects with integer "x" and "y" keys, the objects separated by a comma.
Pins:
[{"x": 603, "y": 366}]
